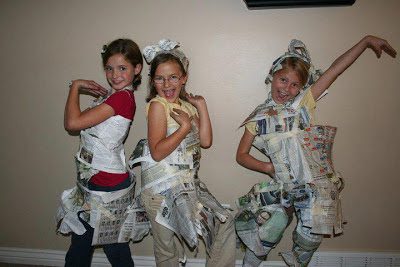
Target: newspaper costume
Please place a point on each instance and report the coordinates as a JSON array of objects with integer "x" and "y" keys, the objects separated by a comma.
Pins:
[
  {"x": 188, "y": 208},
  {"x": 185, "y": 206},
  {"x": 304, "y": 181},
  {"x": 115, "y": 216}
]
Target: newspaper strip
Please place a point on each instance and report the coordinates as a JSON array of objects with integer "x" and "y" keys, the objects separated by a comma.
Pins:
[{"x": 325, "y": 216}]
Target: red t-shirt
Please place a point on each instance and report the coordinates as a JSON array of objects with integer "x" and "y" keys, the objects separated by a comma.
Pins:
[{"x": 123, "y": 104}]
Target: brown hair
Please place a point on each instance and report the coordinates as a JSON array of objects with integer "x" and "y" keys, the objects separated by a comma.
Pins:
[
  {"x": 160, "y": 59},
  {"x": 130, "y": 50}
]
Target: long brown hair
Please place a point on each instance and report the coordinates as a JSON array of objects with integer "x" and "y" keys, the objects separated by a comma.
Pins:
[{"x": 131, "y": 52}]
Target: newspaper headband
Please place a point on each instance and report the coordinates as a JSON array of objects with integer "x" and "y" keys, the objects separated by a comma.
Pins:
[
  {"x": 165, "y": 46},
  {"x": 296, "y": 49}
]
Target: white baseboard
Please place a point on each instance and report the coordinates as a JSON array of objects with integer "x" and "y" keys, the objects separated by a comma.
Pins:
[
  {"x": 56, "y": 258},
  {"x": 320, "y": 259},
  {"x": 355, "y": 259}
]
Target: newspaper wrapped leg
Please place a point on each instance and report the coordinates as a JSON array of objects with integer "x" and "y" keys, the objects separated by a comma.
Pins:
[
  {"x": 304, "y": 245},
  {"x": 262, "y": 219},
  {"x": 251, "y": 260},
  {"x": 260, "y": 238}
]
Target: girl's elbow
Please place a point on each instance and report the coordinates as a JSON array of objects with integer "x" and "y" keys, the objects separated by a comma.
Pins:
[
  {"x": 206, "y": 144},
  {"x": 72, "y": 126},
  {"x": 157, "y": 156},
  {"x": 206, "y": 140},
  {"x": 242, "y": 159},
  {"x": 69, "y": 126},
  {"x": 239, "y": 159}
]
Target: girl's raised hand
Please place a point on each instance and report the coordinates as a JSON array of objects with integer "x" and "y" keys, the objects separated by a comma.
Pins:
[
  {"x": 196, "y": 100},
  {"x": 182, "y": 118},
  {"x": 90, "y": 87},
  {"x": 378, "y": 45}
]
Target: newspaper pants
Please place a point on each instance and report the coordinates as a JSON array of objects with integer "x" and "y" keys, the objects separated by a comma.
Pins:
[
  {"x": 222, "y": 253},
  {"x": 271, "y": 230}
]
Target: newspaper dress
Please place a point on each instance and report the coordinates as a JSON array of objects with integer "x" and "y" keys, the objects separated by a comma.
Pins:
[
  {"x": 188, "y": 208},
  {"x": 115, "y": 216},
  {"x": 304, "y": 180}
]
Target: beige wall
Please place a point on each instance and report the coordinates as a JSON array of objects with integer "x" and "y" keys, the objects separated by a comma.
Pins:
[{"x": 44, "y": 44}]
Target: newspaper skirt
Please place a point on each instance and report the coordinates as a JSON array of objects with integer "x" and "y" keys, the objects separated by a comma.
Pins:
[
  {"x": 186, "y": 207},
  {"x": 314, "y": 194},
  {"x": 265, "y": 212},
  {"x": 116, "y": 217}
]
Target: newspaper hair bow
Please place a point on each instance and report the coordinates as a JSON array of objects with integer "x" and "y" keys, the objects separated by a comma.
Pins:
[
  {"x": 297, "y": 49},
  {"x": 163, "y": 46}
]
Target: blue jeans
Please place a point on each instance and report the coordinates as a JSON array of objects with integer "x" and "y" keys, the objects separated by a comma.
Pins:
[{"x": 81, "y": 250}]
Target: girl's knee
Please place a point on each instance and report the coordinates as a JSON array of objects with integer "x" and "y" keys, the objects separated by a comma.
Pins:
[
  {"x": 272, "y": 230},
  {"x": 309, "y": 242}
]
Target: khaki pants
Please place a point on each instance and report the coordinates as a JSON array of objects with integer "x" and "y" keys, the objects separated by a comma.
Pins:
[{"x": 222, "y": 253}]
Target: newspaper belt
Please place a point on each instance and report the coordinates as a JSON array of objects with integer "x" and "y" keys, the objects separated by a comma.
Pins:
[
  {"x": 115, "y": 216},
  {"x": 187, "y": 208}
]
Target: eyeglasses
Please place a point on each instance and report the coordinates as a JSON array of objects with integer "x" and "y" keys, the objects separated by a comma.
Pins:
[{"x": 171, "y": 79}]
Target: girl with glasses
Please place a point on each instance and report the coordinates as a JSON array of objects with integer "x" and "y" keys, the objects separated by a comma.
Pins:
[{"x": 175, "y": 199}]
